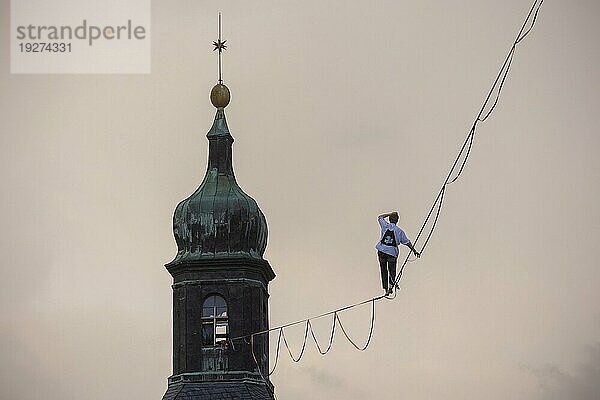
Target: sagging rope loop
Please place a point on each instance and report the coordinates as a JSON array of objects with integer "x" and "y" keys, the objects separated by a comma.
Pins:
[{"x": 308, "y": 328}]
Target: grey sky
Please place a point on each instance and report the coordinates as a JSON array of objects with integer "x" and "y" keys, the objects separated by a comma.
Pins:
[{"x": 340, "y": 111}]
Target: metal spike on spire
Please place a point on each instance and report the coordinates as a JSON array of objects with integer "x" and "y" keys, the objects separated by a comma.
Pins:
[{"x": 220, "y": 45}]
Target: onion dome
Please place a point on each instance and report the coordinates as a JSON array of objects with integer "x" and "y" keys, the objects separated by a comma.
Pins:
[{"x": 219, "y": 220}]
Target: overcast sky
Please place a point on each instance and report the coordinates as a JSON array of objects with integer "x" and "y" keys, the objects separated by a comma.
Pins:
[{"x": 340, "y": 111}]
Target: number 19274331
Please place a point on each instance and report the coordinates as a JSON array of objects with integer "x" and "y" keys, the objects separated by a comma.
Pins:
[{"x": 45, "y": 47}]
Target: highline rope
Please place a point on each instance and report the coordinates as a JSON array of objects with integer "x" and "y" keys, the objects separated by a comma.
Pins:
[{"x": 453, "y": 175}]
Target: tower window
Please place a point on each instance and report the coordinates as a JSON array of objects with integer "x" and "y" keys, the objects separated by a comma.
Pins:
[{"x": 215, "y": 325}]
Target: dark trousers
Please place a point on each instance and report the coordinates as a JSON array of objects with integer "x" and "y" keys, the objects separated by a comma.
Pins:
[{"x": 387, "y": 264}]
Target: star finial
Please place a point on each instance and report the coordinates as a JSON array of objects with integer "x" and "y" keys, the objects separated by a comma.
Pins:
[{"x": 220, "y": 45}]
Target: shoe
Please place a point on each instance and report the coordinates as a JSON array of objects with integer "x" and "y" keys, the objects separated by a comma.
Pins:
[{"x": 388, "y": 291}]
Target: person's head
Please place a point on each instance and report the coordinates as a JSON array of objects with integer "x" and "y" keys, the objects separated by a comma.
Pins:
[{"x": 394, "y": 218}]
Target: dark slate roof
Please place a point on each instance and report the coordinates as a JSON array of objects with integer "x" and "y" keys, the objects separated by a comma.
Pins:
[{"x": 234, "y": 390}]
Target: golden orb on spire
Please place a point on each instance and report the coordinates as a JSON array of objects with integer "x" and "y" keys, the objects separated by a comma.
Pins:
[{"x": 220, "y": 95}]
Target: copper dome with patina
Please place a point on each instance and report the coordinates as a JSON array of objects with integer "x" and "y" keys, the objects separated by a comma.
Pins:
[{"x": 219, "y": 220}]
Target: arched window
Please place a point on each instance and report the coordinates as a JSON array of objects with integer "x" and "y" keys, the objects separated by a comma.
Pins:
[{"x": 214, "y": 321}]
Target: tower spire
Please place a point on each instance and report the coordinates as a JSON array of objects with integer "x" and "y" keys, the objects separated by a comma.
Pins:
[{"x": 220, "y": 279}]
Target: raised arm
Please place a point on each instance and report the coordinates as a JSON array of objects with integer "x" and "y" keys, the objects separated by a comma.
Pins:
[{"x": 385, "y": 215}]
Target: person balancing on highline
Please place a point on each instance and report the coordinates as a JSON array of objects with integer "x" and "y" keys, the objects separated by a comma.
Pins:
[{"x": 387, "y": 249}]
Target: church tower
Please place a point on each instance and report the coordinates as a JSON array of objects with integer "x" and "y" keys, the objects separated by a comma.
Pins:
[{"x": 220, "y": 279}]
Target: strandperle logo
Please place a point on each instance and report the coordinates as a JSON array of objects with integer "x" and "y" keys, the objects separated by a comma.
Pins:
[
  {"x": 85, "y": 31},
  {"x": 80, "y": 37}
]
